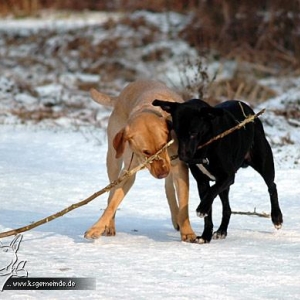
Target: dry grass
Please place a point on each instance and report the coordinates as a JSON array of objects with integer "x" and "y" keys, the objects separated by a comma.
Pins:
[
  {"x": 240, "y": 89},
  {"x": 36, "y": 115},
  {"x": 264, "y": 32}
]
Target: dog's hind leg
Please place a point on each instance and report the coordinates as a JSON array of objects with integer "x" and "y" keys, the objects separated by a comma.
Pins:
[
  {"x": 221, "y": 233},
  {"x": 262, "y": 161}
]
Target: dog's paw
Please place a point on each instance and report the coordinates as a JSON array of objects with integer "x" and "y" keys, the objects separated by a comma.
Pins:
[
  {"x": 277, "y": 219},
  {"x": 189, "y": 237},
  {"x": 206, "y": 236},
  {"x": 201, "y": 240},
  {"x": 201, "y": 215},
  {"x": 94, "y": 232},
  {"x": 219, "y": 235},
  {"x": 277, "y": 226},
  {"x": 203, "y": 210},
  {"x": 109, "y": 231}
]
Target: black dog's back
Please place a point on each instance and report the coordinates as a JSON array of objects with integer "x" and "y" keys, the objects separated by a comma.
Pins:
[
  {"x": 238, "y": 144},
  {"x": 239, "y": 111}
]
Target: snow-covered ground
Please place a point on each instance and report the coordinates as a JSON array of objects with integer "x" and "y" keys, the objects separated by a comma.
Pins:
[
  {"x": 47, "y": 167},
  {"x": 43, "y": 171}
]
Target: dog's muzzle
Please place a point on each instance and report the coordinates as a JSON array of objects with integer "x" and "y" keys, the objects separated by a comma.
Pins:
[{"x": 159, "y": 168}]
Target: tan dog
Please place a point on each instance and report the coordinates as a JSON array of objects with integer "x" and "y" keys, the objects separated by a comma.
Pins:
[{"x": 137, "y": 130}]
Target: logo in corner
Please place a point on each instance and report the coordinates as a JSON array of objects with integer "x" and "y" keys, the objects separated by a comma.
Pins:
[{"x": 9, "y": 264}]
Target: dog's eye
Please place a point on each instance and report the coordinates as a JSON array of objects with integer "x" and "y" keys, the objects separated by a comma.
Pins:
[
  {"x": 193, "y": 135},
  {"x": 146, "y": 152}
]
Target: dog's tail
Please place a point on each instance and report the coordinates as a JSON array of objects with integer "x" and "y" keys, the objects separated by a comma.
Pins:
[{"x": 102, "y": 99}]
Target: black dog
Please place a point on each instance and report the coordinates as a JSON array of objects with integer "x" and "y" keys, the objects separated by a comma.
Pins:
[{"x": 195, "y": 122}]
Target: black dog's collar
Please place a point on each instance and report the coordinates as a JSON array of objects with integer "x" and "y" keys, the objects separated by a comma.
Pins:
[
  {"x": 196, "y": 161},
  {"x": 204, "y": 161},
  {"x": 206, "y": 172}
]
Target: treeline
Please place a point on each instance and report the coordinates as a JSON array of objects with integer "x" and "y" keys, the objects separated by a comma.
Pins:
[
  {"x": 32, "y": 7},
  {"x": 226, "y": 7},
  {"x": 258, "y": 30}
]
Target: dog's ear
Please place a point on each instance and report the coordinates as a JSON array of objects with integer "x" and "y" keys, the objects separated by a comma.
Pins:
[
  {"x": 165, "y": 105},
  {"x": 169, "y": 124},
  {"x": 119, "y": 142}
]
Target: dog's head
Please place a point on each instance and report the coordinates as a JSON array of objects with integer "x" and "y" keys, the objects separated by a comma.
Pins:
[
  {"x": 192, "y": 122},
  {"x": 145, "y": 135}
]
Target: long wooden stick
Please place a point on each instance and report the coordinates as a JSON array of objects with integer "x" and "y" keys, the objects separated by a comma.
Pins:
[{"x": 89, "y": 199}]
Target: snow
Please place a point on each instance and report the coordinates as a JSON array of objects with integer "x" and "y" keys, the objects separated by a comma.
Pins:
[
  {"x": 47, "y": 166},
  {"x": 44, "y": 171},
  {"x": 56, "y": 20}
]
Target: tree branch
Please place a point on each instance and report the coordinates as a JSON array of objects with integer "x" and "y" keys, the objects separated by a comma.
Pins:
[{"x": 249, "y": 213}]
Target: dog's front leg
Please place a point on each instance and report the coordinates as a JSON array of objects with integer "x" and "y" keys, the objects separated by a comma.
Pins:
[
  {"x": 206, "y": 203},
  {"x": 172, "y": 201},
  {"x": 208, "y": 230},
  {"x": 105, "y": 225},
  {"x": 221, "y": 233},
  {"x": 203, "y": 188},
  {"x": 181, "y": 181}
]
